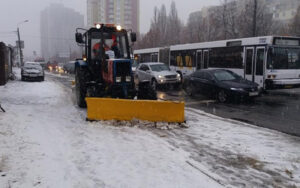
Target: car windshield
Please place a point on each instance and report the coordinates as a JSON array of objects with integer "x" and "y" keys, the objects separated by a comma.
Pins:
[
  {"x": 159, "y": 68},
  {"x": 32, "y": 66},
  {"x": 225, "y": 76}
]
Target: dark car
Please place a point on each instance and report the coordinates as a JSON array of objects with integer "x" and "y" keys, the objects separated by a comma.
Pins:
[
  {"x": 220, "y": 84},
  {"x": 69, "y": 67}
]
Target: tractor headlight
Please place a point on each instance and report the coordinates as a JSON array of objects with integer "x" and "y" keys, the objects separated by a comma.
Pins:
[
  {"x": 119, "y": 28},
  {"x": 118, "y": 79},
  {"x": 128, "y": 78},
  {"x": 98, "y": 26}
]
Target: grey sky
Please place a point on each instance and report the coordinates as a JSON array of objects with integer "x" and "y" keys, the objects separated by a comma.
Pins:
[{"x": 14, "y": 11}]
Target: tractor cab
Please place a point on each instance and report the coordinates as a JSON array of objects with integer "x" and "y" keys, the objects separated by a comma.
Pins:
[{"x": 106, "y": 66}]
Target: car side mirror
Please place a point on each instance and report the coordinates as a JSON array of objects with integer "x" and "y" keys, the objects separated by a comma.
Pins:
[
  {"x": 148, "y": 71},
  {"x": 79, "y": 38},
  {"x": 133, "y": 37}
]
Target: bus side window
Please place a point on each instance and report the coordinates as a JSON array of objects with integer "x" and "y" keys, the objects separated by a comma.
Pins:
[
  {"x": 179, "y": 61},
  {"x": 173, "y": 59},
  {"x": 188, "y": 61}
]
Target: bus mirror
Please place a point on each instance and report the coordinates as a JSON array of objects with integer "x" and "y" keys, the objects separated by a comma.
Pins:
[
  {"x": 133, "y": 37},
  {"x": 79, "y": 38}
]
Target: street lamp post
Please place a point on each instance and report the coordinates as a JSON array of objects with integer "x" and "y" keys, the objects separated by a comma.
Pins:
[{"x": 19, "y": 42}]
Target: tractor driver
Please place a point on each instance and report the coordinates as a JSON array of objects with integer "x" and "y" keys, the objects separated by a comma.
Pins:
[{"x": 110, "y": 48}]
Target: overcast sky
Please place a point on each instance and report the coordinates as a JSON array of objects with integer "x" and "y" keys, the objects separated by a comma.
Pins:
[{"x": 13, "y": 12}]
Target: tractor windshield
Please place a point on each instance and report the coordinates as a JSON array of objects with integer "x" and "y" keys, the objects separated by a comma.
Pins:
[{"x": 114, "y": 45}]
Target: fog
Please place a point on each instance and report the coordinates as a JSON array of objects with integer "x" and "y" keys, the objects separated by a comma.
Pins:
[{"x": 13, "y": 12}]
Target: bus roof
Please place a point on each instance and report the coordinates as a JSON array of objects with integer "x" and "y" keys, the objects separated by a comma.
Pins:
[
  {"x": 147, "y": 51},
  {"x": 263, "y": 40}
]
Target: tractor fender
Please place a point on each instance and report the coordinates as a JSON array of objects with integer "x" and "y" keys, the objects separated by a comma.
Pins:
[{"x": 80, "y": 63}]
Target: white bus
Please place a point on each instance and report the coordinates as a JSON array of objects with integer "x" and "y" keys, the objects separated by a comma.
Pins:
[
  {"x": 270, "y": 61},
  {"x": 147, "y": 55}
]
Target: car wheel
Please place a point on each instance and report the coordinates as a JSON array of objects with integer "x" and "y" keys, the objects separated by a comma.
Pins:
[
  {"x": 177, "y": 86},
  {"x": 189, "y": 91},
  {"x": 222, "y": 96},
  {"x": 154, "y": 83}
]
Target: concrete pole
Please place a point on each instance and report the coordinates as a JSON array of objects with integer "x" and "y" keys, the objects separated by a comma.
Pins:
[{"x": 20, "y": 49}]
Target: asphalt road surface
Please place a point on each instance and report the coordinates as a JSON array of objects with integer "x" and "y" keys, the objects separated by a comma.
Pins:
[{"x": 278, "y": 109}]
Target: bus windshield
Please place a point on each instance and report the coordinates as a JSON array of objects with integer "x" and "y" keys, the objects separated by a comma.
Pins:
[
  {"x": 115, "y": 45},
  {"x": 283, "y": 58}
]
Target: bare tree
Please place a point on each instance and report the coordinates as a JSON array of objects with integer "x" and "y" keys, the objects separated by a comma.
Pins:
[
  {"x": 174, "y": 26},
  {"x": 295, "y": 25}
]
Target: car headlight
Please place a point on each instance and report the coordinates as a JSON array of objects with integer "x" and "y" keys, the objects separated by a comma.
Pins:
[
  {"x": 128, "y": 78},
  {"x": 160, "y": 76},
  {"x": 118, "y": 79},
  {"x": 237, "y": 89},
  {"x": 178, "y": 77}
]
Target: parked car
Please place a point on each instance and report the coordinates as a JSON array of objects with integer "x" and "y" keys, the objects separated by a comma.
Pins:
[
  {"x": 221, "y": 84},
  {"x": 69, "y": 67},
  {"x": 32, "y": 71},
  {"x": 157, "y": 74}
]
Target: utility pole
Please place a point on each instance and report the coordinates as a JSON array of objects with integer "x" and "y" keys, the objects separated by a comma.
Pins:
[
  {"x": 254, "y": 18},
  {"x": 20, "y": 49},
  {"x": 19, "y": 42}
]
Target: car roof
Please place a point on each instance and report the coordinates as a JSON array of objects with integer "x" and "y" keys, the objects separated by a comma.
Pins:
[
  {"x": 152, "y": 63},
  {"x": 31, "y": 63}
]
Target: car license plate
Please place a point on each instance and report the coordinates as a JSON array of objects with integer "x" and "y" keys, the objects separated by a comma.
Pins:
[
  {"x": 251, "y": 94},
  {"x": 288, "y": 87},
  {"x": 32, "y": 75}
]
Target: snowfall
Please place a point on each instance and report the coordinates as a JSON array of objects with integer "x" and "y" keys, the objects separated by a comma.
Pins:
[{"x": 45, "y": 141}]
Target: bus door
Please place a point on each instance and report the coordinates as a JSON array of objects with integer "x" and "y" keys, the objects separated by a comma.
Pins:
[
  {"x": 259, "y": 66},
  {"x": 249, "y": 64},
  {"x": 205, "y": 59},
  {"x": 199, "y": 64}
]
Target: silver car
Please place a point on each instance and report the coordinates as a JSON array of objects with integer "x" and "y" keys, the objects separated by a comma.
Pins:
[
  {"x": 32, "y": 71},
  {"x": 157, "y": 74}
]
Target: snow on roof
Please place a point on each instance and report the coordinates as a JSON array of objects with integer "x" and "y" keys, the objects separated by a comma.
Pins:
[
  {"x": 222, "y": 43},
  {"x": 146, "y": 51}
]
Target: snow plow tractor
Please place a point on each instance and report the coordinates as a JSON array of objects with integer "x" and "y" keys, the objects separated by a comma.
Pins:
[{"x": 104, "y": 82}]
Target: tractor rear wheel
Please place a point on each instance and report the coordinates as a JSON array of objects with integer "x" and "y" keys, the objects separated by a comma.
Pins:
[
  {"x": 80, "y": 88},
  {"x": 146, "y": 91}
]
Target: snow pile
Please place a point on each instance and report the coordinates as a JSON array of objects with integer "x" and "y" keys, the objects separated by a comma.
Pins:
[{"x": 143, "y": 124}]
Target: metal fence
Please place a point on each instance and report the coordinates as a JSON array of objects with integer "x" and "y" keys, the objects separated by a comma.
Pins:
[{"x": 6, "y": 54}]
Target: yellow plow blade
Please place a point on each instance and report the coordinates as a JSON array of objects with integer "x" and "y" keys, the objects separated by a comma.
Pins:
[{"x": 122, "y": 109}]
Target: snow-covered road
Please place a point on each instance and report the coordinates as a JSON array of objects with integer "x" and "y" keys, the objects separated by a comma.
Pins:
[{"x": 46, "y": 142}]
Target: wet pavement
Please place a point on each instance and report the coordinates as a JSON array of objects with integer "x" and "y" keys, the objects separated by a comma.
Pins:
[{"x": 277, "y": 110}]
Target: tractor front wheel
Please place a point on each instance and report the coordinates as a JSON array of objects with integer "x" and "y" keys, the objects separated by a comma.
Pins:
[{"x": 80, "y": 87}]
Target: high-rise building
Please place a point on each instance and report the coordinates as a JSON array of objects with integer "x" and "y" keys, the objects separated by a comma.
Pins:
[
  {"x": 121, "y": 12},
  {"x": 58, "y": 26}
]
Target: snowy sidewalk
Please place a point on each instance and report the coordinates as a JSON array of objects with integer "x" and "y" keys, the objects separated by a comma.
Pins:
[{"x": 46, "y": 142}]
